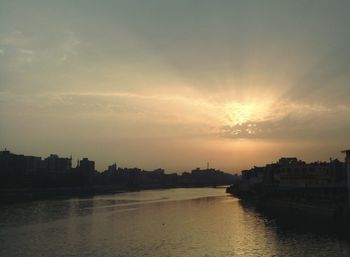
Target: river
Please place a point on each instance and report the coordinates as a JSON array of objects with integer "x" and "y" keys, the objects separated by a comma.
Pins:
[{"x": 157, "y": 223}]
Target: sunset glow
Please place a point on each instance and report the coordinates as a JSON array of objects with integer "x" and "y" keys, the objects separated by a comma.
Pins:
[{"x": 88, "y": 81}]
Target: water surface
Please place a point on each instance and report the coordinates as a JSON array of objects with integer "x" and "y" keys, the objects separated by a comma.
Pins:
[{"x": 172, "y": 222}]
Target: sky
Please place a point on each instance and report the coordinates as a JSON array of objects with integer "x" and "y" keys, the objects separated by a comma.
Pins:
[{"x": 176, "y": 83}]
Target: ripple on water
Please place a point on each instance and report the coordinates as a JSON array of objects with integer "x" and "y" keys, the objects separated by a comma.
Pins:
[{"x": 176, "y": 222}]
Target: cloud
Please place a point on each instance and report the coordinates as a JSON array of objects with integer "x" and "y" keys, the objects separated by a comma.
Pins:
[
  {"x": 24, "y": 49},
  {"x": 188, "y": 115},
  {"x": 70, "y": 46},
  {"x": 27, "y": 56},
  {"x": 17, "y": 47},
  {"x": 290, "y": 120},
  {"x": 14, "y": 38}
]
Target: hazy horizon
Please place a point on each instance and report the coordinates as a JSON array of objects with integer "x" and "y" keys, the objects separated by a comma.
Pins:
[{"x": 174, "y": 84}]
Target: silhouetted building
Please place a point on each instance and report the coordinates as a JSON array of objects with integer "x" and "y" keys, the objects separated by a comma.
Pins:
[
  {"x": 20, "y": 171},
  {"x": 33, "y": 164},
  {"x": 12, "y": 163},
  {"x": 54, "y": 163},
  {"x": 112, "y": 168},
  {"x": 291, "y": 172},
  {"x": 288, "y": 161},
  {"x": 86, "y": 165}
]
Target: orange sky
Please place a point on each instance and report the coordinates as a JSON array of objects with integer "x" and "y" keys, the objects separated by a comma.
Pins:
[{"x": 175, "y": 84}]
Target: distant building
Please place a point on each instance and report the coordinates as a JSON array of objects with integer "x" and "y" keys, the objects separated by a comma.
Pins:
[
  {"x": 291, "y": 172},
  {"x": 86, "y": 165},
  {"x": 18, "y": 171},
  {"x": 158, "y": 172},
  {"x": 33, "y": 164},
  {"x": 254, "y": 175},
  {"x": 288, "y": 161},
  {"x": 19, "y": 163},
  {"x": 112, "y": 168},
  {"x": 54, "y": 163},
  {"x": 12, "y": 163}
]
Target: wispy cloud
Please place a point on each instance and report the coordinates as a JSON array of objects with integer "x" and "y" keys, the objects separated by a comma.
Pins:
[
  {"x": 22, "y": 48},
  {"x": 269, "y": 120},
  {"x": 290, "y": 120},
  {"x": 69, "y": 46}
]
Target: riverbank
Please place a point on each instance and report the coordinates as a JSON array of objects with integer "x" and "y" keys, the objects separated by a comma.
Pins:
[
  {"x": 15, "y": 195},
  {"x": 321, "y": 202}
]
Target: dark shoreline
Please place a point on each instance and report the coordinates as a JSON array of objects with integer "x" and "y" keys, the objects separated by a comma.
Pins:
[
  {"x": 289, "y": 203},
  {"x": 287, "y": 221},
  {"x": 13, "y": 196}
]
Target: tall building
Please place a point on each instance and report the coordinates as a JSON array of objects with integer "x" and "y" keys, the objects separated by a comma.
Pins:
[
  {"x": 112, "y": 168},
  {"x": 86, "y": 165},
  {"x": 33, "y": 164},
  {"x": 10, "y": 162},
  {"x": 54, "y": 163}
]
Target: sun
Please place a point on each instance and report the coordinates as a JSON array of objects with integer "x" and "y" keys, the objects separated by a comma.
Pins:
[{"x": 240, "y": 113}]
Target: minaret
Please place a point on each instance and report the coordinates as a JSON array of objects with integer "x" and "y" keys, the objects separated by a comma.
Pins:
[{"x": 347, "y": 160}]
